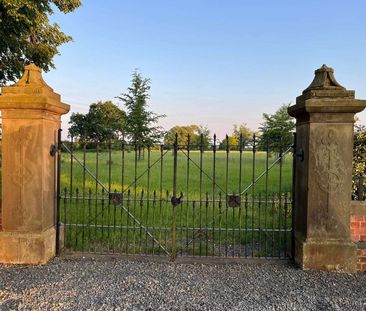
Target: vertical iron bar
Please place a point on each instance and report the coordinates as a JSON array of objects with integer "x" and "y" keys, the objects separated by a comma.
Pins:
[
  {"x": 58, "y": 193},
  {"x": 181, "y": 237},
  {"x": 266, "y": 194},
  {"x": 233, "y": 229},
  {"x": 148, "y": 196},
  {"x": 89, "y": 214},
  {"x": 122, "y": 191},
  {"x": 135, "y": 198},
  {"x": 128, "y": 222},
  {"x": 65, "y": 217},
  {"x": 114, "y": 221},
  {"x": 240, "y": 187},
  {"x": 294, "y": 151},
  {"x": 207, "y": 198},
  {"x": 102, "y": 207},
  {"x": 166, "y": 221},
  {"x": 109, "y": 223},
  {"x": 76, "y": 216},
  {"x": 273, "y": 220},
  {"x": 187, "y": 189},
  {"x": 109, "y": 190},
  {"x": 246, "y": 225},
  {"x": 226, "y": 190},
  {"x": 200, "y": 189},
  {"x": 153, "y": 221},
  {"x": 253, "y": 190},
  {"x": 213, "y": 193},
  {"x": 141, "y": 217},
  {"x": 71, "y": 163},
  {"x": 285, "y": 224},
  {"x": 109, "y": 167},
  {"x": 259, "y": 224},
  {"x": 194, "y": 225},
  {"x": 161, "y": 191},
  {"x": 174, "y": 226},
  {"x": 280, "y": 199},
  {"x": 71, "y": 185},
  {"x": 83, "y": 198},
  {"x": 360, "y": 190},
  {"x": 96, "y": 196},
  {"x": 220, "y": 221}
]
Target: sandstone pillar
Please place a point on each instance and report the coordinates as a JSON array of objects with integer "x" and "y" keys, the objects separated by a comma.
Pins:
[
  {"x": 325, "y": 116},
  {"x": 31, "y": 113}
]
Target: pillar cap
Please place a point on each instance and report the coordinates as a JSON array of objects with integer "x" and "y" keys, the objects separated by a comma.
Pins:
[
  {"x": 326, "y": 95},
  {"x": 324, "y": 80},
  {"x": 325, "y": 85},
  {"x": 31, "y": 92}
]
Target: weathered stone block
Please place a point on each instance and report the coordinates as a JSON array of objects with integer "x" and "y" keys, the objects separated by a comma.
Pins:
[
  {"x": 31, "y": 114},
  {"x": 324, "y": 124},
  {"x": 27, "y": 247}
]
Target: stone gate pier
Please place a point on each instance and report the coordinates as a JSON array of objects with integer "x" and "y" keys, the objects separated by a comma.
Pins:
[
  {"x": 31, "y": 113},
  {"x": 325, "y": 116}
]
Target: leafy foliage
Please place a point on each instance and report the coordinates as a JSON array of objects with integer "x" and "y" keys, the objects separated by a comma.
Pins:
[
  {"x": 141, "y": 125},
  {"x": 277, "y": 129},
  {"x": 27, "y": 36},
  {"x": 359, "y": 157},
  {"x": 196, "y": 133},
  {"x": 104, "y": 122},
  {"x": 233, "y": 141}
]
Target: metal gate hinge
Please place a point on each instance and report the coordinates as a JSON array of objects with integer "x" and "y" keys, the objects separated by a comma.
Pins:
[
  {"x": 53, "y": 150},
  {"x": 301, "y": 154}
]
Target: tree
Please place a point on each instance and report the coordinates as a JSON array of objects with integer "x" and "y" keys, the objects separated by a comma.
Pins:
[
  {"x": 194, "y": 132},
  {"x": 141, "y": 124},
  {"x": 242, "y": 130},
  {"x": 359, "y": 158},
  {"x": 234, "y": 140},
  {"x": 230, "y": 142},
  {"x": 104, "y": 122},
  {"x": 27, "y": 36},
  {"x": 277, "y": 129}
]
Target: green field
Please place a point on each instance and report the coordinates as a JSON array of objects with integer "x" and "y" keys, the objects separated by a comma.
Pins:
[
  {"x": 129, "y": 173},
  {"x": 140, "y": 218}
]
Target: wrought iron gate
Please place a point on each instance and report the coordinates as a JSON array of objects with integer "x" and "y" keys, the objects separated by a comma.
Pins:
[{"x": 190, "y": 198}]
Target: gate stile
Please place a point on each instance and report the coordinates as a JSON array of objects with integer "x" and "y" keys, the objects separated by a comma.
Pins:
[{"x": 221, "y": 200}]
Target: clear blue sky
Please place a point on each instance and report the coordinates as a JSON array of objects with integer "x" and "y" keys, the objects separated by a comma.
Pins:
[{"x": 211, "y": 62}]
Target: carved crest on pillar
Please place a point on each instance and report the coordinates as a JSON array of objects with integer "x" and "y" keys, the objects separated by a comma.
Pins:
[{"x": 328, "y": 161}]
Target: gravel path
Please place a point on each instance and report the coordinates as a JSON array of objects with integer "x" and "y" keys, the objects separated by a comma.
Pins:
[{"x": 119, "y": 284}]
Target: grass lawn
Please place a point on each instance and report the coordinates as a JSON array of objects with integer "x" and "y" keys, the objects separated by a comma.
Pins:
[{"x": 191, "y": 181}]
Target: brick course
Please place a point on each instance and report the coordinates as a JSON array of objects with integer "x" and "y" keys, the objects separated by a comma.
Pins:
[{"x": 358, "y": 235}]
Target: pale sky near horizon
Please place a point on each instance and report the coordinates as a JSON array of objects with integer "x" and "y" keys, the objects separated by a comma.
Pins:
[{"x": 214, "y": 63}]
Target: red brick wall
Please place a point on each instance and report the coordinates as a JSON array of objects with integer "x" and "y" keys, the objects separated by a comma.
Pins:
[
  {"x": 358, "y": 235},
  {"x": 358, "y": 228},
  {"x": 361, "y": 259}
]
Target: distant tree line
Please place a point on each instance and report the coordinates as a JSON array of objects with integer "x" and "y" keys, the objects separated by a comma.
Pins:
[{"x": 107, "y": 122}]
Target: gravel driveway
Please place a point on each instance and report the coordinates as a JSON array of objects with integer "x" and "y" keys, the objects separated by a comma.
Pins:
[{"x": 120, "y": 284}]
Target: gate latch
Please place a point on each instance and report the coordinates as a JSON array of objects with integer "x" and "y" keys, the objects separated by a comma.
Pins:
[{"x": 176, "y": 201}]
